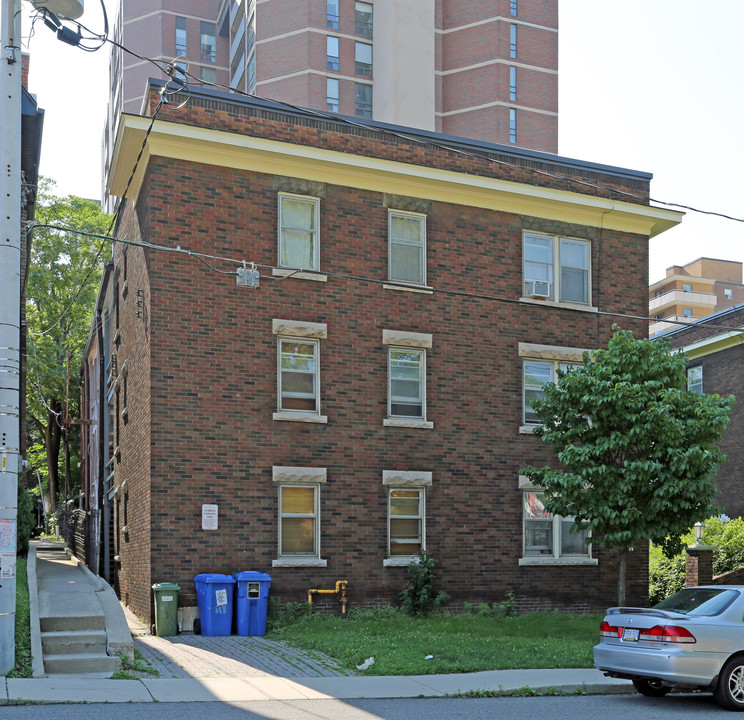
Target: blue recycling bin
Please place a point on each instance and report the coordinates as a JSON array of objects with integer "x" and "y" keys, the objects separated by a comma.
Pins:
[
  {"x": 251, "y": 602},
  {"x": 214, "y": 600}
]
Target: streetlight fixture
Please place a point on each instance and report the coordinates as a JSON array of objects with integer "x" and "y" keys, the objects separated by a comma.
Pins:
[
  {"x": 70, "y": 9},
  {"x": 699, "y": 532}
]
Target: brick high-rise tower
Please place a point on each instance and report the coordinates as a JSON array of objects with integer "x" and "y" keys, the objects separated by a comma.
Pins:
[{"x": 481, "y": 70}]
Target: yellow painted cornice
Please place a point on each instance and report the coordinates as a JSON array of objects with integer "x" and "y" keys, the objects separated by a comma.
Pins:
[
  {"x": 245, "y": 152},
  {"x": 714, "y": 344}
]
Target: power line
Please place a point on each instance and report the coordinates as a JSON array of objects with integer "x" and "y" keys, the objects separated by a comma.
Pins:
[
  {"x": 168, "y": 69},
  {"x": 205, "y": 257}
]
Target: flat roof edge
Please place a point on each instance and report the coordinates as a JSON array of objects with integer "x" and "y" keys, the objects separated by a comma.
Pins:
[{"x": 415, "y": 134}]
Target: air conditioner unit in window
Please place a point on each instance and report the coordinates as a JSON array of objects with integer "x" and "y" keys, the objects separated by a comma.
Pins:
[{"x": 537, "y": 288}]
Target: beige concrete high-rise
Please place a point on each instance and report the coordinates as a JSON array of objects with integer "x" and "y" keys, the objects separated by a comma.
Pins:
[
  {"x": 481, "y": 70},
  {"x": 696, "y": 290}
]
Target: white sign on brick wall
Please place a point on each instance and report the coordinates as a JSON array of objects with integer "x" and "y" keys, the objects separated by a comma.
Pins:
[{"x": 209, "y": 517}]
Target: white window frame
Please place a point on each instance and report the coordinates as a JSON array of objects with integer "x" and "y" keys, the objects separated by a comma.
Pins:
[
  {"x": 413, "y": 481},
  {"x": 421, "y": 245},
  {"x": 304, "y": 477},
  {"x": 553, "y": 366},
  {"x": 728, "y": 294},
  {"x": 695, "y": 379},
  {"x": 555, "y": 555},
  {"x": 315, "y": 375},
  {"x": 555, "y": 266},
  {"x": 303, "y": 332},
  {"x": 401, "y": 340},
  {"x": 313, "y": 231},
  {"x": 420, "y": 543},
  {"x": 557, "y": 356},
  {"x": 421, "y": 352}
]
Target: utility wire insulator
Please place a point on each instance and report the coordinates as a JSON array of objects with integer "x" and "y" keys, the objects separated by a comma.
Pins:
[{"x": 248, "y": 276}]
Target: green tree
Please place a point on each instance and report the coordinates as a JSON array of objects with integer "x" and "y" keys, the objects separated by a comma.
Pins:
[
  {"x": 64, "y": 275},
  {"x": 637, "y": 449},
  {"x": 667, "y": 575}
]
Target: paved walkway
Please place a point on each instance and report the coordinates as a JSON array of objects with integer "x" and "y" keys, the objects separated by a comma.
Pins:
[
  {"x": 196, "y": 656},
  {"x": 195, "y": 668}
]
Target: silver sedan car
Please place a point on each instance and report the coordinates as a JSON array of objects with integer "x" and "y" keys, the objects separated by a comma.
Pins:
[{"x": 692, "y": 640}]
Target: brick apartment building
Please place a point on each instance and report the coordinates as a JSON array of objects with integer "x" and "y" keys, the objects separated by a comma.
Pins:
[
  {"x": 487, "y": 71},
  {"x": 372, "y": 396},
  {"x": 716, "y": 359}
]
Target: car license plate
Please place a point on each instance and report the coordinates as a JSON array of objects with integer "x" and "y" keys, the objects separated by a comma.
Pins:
[{"x": 630, "y": 634}]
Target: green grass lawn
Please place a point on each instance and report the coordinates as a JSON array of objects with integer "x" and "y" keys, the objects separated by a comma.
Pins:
[
  {"x": 23, "y": 660},
  {"x": 457, "y": 643}
]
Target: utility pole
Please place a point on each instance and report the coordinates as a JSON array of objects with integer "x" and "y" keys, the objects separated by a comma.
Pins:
[{"x": 10, "y": 314}]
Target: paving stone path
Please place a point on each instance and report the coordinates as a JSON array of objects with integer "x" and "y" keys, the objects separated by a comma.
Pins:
[{"x": 189, "y": 655}]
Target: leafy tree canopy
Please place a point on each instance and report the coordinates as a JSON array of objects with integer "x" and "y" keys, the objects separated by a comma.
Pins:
[
  {"x": 637, "y": 449},
  {"x": 64, "y": 275}
]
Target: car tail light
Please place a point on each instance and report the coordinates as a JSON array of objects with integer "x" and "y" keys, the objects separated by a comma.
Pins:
[
  {"x": 607, "y": 630},
  {"x": 667, "y": 633}
]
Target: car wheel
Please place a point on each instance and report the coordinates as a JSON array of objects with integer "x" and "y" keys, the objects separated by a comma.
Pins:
[
  {"x": 651, "y": 688},
  {"x": 197, "y": 626},
  {"x": 730, "y": 690}
]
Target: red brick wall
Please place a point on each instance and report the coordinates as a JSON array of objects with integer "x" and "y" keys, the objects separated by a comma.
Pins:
[
  {"x": 204, "y": 361},
  {"x": 374, "y": 143},
  {"x": 453, "y": 13},
  {"x": 133, "y": 466},
  {"x": 722, "y": 376}
]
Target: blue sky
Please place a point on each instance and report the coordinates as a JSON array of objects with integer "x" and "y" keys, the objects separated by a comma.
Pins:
[{"x": 653, "y": 85}]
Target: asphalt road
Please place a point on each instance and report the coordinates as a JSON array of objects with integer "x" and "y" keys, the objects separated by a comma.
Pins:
[{"x": 628, "y": 707}]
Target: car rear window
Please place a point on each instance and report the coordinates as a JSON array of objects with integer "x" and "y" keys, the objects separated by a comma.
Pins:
[{"x": 701, "y": 602}]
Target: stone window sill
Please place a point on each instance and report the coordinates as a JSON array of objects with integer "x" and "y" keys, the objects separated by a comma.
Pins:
[
  {"x": 553, "y": 303},
  {"x": 412, "y": 424},
  {"x": 423, "y": 289},
  {"x": 301, "y": 417},
  {"x": 299, "y": 274},
  {"x": 400, "y": 561},
  {"x": 536, "y": 561},
  {"x": 299, "y": 562}
]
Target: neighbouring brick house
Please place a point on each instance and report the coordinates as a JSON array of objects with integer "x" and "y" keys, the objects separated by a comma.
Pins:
[
  {"x": 371, "y": 397},
  {"x": 716, "y": 366}
]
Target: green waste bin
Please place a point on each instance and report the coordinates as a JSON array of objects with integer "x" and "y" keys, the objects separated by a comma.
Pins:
[{"x": 166, "y": 608}]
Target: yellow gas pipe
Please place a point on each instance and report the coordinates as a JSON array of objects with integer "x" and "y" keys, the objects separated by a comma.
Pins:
[{"x": 340, "y": 588}]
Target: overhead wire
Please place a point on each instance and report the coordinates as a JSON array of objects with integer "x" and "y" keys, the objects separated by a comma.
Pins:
[
  {"x": 163, "y": 66},
  {"x": 176, "y": 85},
  {"x": 204, "y": 257}
]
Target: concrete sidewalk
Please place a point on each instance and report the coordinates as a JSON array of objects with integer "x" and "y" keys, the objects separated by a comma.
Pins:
[
  {"x": 195, "y": 668},
  {"x": 61, "y": 689}
]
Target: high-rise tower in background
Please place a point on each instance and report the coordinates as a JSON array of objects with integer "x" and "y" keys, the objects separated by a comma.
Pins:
[{"x": 486, "y": 71}]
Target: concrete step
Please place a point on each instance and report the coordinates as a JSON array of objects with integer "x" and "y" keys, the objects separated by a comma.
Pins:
[
  {"x": 62, "y": 622},
  {"x": 62, "y": 642},
  {"x": 80, "y": 663}
]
